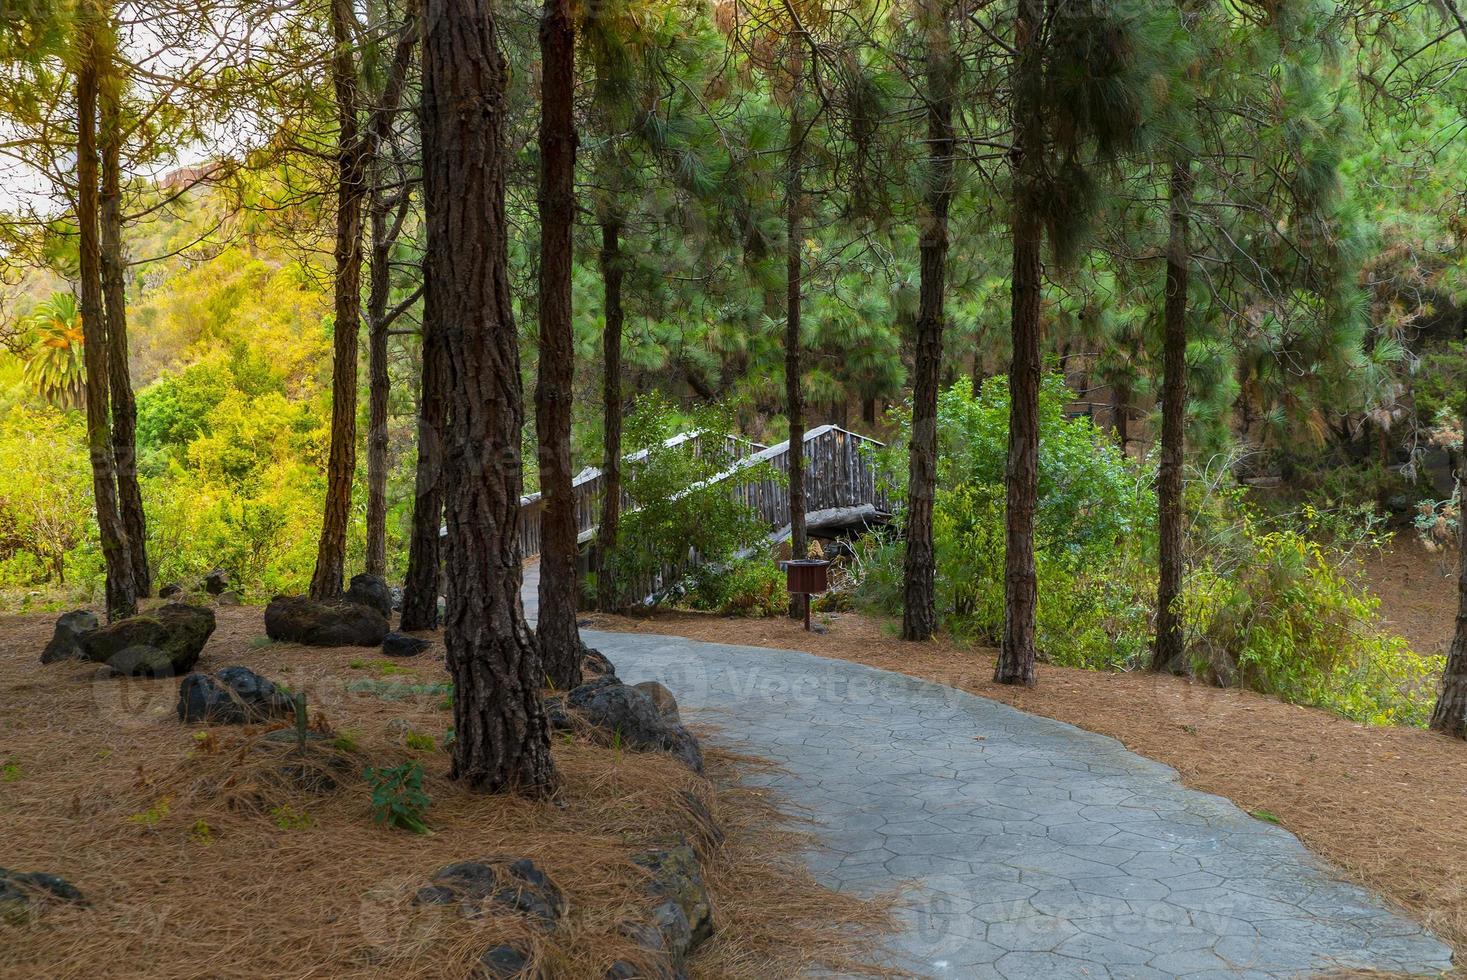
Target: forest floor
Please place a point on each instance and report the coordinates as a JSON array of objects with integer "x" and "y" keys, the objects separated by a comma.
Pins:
[
  {"x": 1383, "y": 805},
  {"x": 198, "y": 859},
  {"x": 1417, "y": 590}
]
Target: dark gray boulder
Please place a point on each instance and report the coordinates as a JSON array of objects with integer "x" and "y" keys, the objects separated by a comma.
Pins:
[
  {"x": 162, "y": 643},
  {"x": 216, "y": 582},
  {"x": 22, "y": 893},
  {"x": 230, "y": 598},
  {"x": 504, "y": 962},
  {"x": 66, "y": 640},
  {"x": 370, "y": 591},
  {"x": 233, "y": 696},
  {"x": 628, "y": 714},
  {"x": 299, "y": 619},
  {"x": 402, "y": 645},
  {"x": 662, "y": 700},
  {"x": 170, "y": 591},
  {"x": 508, "y": 886}
]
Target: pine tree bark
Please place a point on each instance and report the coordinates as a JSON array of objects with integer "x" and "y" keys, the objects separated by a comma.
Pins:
[
  {"x": 122, "y": 597},
  {"x": 794, "y": 247},
  {"x": 425, "y": 554},
  {"x": 608, "y": 598},
  {"x": 379, "y": 288},
  {"x": 501, "y": 736},
  {"x": 1170, "y": 654},
  {"x": 1449, "y": 716},
  {"x": 114, "y": 299},
  {"x": 919, "y": 606},
  {"x": 559, "y": 639},
  {"x": 1016, "y": 652},
  {"x": 351, "y": 184}
]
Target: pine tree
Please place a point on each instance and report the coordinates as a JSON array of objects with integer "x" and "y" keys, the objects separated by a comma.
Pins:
[{"x": 501, "y": 736}]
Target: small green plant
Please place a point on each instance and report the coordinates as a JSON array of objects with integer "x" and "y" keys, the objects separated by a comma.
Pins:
[
  {"x": 202, "y": 833},
  {"x": 357, "y": 664},
  {"x": 1265, "y": 816},
  {"x": 420, "y": 742},
  {"x": 10, "y": 772},
  {"x": 153, "y": 815},
  {"x": 287, "y": 817},
  {"x": 398, "y": 799},
  {"x": 345, "y": 742}
]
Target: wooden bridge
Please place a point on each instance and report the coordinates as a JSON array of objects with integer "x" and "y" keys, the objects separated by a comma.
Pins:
[{"x": 841, "y": 485}]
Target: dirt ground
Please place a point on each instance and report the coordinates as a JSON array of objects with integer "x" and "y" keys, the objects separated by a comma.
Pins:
[
  {"x": 1417, "y": 590},
  {"x": 1385, "y": 805},
  {"x": 199, "y": 859}
]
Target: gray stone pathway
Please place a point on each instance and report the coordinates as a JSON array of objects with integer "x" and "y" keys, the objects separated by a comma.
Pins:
[{"x": 1026, "y": 847}]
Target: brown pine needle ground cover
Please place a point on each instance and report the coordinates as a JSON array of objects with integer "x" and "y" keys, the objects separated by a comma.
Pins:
[
  {"x": 1385, "y": 805},
  {"x": 202, "y": 857}
]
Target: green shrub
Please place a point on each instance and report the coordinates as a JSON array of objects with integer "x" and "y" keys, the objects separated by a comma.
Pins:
[
  {"x": 1285, "y": 618},
  {"x": 678, "y": 506},
  {"x": 746, "y": 587},
  {"x": 1095, "y": 515},
  {"x": 398, "y": 799}
]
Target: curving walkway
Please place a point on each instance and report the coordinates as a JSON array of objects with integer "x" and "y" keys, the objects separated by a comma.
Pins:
[{"x": 1027, "y": 847}]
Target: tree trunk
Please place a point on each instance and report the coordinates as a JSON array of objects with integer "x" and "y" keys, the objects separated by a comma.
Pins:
[
  {"x": 1170, "y": 654},
  {"x": 420, "y": 585},
  {"x": 919, "y": 606},
  {"x": 794, "y": 246},
  {"x": 114, "y": 297},
  {"x": 122, "y": 598},
  {"x": 330, "y": 571},
  {"x": 379, "y": 288},
  {"x": 1020, "y": 581},
  {"x": 386, "y": 225},
  {"x": 1450, "y": 714},
  {"x": 559, "y": 639},
  {"x": 501, "y": 736},
  {"x": 1121, "y": 409},
  {"x": 608, "y": 598}
]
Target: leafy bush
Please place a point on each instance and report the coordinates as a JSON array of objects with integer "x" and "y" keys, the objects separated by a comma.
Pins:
[
  {"x": 683, "y": 498},
  {"x": 398, "y": 799},
  {"x": 1284, "y": 617},
  {"x": 1095, "y": 514},
  {"x": 746, "y": 587}
]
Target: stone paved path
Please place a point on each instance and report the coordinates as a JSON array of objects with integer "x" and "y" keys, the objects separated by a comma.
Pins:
[{"x": 1028, "y": 847}]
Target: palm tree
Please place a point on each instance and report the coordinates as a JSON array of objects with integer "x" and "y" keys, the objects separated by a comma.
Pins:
[{"x": 54, "y": 369}]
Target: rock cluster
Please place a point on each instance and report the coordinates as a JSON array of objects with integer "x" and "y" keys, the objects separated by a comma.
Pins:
[
  {"x": 629, "y": 714},
  {"x": 514, "y": 887},
  {"x": 162, "y": 643},
  {"x": 334, "y": 623},
  {"x": 233, "y": 696}
]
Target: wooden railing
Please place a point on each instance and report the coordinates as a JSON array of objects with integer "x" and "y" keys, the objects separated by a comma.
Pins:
[
  {"x": 840, "y": 475},
  {"x": 588, "y": 487}
]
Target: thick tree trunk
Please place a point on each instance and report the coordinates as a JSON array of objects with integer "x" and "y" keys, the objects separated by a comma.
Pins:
[
  {"x": 122, "y": 597},
  {"x": 608, "y": 598},
  {"x": 919, "y": 606},
  {"x": 501, "y": 736},
  {"x": 1170, "y": 654},
  {"x": 420, "y": 586},
  {"x": 559, "y": 639},
  {"x": 794, "y": 247},
  {"x": 1450, "y": 714},
  {"x": 379, "y": 288},
  {"x": 114, "y": 298},
  {"x": 330, "y": 571},
  {"x": 1020, "y": 581}
]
